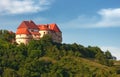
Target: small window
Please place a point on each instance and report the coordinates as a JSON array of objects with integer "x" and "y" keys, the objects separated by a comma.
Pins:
[{"x": 32, "y": 30}]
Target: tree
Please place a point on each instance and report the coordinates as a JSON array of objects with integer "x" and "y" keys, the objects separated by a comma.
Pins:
[
  {"x": 9, "y": 73},
  {"x": 7, "y": 35},
  {"x": 101, "y": 58},
  {"x": 35, "y": 53},
  {"x": 35, "y": 68},
  {"x": 108, "y": 55}
]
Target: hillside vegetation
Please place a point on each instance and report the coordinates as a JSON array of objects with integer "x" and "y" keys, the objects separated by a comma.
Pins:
[{"x": 44, "y": 58}]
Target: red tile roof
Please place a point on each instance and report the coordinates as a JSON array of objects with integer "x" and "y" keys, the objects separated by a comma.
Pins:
[
  {"x": 25, "y": 25},
  {"x": 22, "y": 31},
  {"x": 54, "y": 27},
  {"x": 28, "y": 24},
  {"x": 43, "y": 27}
]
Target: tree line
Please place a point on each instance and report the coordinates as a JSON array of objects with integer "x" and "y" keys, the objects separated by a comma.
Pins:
[{"x": 45, "y": 58}]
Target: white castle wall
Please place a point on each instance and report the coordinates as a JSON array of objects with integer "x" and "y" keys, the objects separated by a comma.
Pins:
[
  {"x": 43, "y": 32},
  {"x": 23, "y": 38}
]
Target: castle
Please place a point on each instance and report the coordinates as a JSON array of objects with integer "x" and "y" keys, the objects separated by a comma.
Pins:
[{"x": 28, "y": 30}]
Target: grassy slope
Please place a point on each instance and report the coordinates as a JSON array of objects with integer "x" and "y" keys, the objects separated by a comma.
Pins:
[
  {"x": 117, "y": 66},
  {"x": 79, "y": 65}
]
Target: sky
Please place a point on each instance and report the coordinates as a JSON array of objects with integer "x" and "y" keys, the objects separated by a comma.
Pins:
[{"x": 86, "y": 22}]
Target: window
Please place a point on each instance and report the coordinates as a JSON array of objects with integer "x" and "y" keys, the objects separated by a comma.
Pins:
[
  {"x": 32, "y": 30},
  {"x": 44, "y": 32}
]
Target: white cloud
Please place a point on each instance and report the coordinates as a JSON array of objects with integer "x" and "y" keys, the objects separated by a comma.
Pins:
[
  {"x": 105, "y": 18},
  {"x": 23, "y": 6},
  {"x": 115, "y": 51},
  {"x": 109, "y": 18},
  {"x": 110, "y": 13}
]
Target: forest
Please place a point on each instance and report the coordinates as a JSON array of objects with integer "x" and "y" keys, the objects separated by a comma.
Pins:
[{"x": 45, "y": 58}]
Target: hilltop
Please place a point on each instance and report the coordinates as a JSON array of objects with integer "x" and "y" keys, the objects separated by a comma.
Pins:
[{"x": 45, "y": 58}]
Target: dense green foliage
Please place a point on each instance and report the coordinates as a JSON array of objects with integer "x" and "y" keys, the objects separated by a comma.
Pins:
[
  {"x": 44, "y": 58},
  {"x": 8, "y": 36}
]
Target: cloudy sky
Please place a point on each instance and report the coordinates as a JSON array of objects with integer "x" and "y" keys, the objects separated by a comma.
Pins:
[{"x": 86, "y": 22}]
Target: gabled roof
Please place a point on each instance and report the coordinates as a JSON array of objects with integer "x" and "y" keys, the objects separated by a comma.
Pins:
[
  {"x": 54, "y": 27},
  {"x": 22, "y": 31},
  {"x": 28, "y": 24}
]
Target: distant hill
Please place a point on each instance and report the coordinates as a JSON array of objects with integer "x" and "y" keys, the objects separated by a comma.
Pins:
[{"x": 45, "y": 58}]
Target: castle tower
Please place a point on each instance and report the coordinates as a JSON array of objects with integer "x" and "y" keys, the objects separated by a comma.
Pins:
[
  {"x": 26, "y": 31},
  {"x": 56, "y": 33}
]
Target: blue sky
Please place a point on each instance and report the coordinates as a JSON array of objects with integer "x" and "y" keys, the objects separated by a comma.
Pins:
[{"x": 86, "y": 22}]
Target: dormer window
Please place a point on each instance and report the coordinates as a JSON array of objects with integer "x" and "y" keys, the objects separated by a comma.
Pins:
[{"x": 32, "y": 30}]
